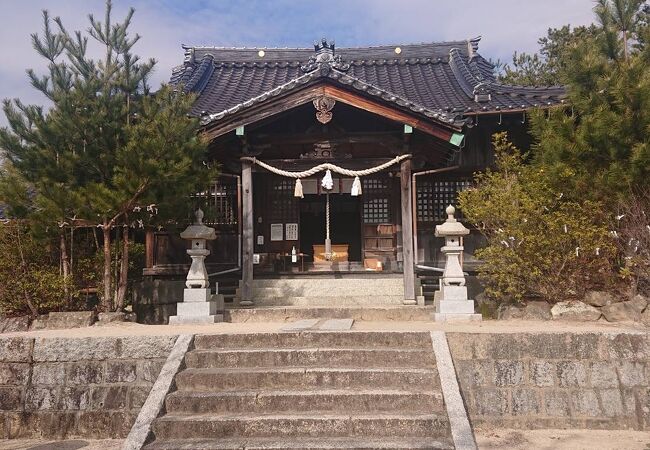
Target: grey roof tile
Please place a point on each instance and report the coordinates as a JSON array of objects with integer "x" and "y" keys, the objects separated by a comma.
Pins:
[{"x": 444, "y": 81}]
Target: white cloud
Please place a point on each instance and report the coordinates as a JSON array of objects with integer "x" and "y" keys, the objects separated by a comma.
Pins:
[{"x": 506, "y": 25}]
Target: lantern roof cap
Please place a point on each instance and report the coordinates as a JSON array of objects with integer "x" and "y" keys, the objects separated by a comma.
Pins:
[
  {"x": 451, "y": 226},
  {"x": 198, "y": 230}
]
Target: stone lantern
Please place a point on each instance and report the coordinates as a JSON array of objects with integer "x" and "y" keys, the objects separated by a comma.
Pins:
[
  {"x": 450, "y": 300},
  {"x": 199, "y": 305}
]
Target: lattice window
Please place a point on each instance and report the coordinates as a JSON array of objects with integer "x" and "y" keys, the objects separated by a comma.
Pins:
[
  {"x": 376, "y": 200},
  {"x": 283, "y": 206},
  {"x": 219, "y": 203},
  {"x": 225, "y": 202},
  {"x": 433, "y": 197}
]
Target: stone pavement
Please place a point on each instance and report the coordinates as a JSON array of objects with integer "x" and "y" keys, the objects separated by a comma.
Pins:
[
  {"x": 70, "y": 444},
  {"x": 487, "y": 326},
  {"x": 497, "y": 439}
]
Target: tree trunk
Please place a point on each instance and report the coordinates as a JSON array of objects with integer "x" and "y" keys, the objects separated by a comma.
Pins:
[
  {"x": 625, "y": 45},
  {"x": 116, "y": 266},
  {"x": 28, "y": 296},
  {"x": 63, "y": 248},
  {"x": 94, "y": 230},
  {"x": 124, "y": 271},
  {"x": 106, "y": 300}
]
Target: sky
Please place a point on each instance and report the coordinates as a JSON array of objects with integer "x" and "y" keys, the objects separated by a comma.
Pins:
[{"x": 505, "y": 25}]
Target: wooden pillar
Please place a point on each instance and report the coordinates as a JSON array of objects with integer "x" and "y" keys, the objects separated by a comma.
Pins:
[
  {"x": 247, "y": 234},
  {"x": 149, "y": 241},
  {"x": 407, "y": 233}
]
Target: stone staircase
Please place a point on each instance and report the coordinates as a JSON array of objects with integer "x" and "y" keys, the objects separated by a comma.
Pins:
[
  {"x": 309, "y": 390},
  {"x": 370, "y": 297}
]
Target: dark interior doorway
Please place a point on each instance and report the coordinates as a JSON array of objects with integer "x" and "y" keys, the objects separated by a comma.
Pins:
[{"x": 345, "y": 223}]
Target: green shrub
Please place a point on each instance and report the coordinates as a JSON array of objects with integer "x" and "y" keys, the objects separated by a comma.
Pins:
[
  {"x": 30, "y": 282},
  {"x": 633, "y": 240},
  {"x": 540, "y": 242}
]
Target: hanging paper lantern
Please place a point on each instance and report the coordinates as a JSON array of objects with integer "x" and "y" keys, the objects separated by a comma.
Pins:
[
  {"x": 356, "y": 187},
  {"x": 327, "y": 182},
  {"x": 298, "y": 190}
]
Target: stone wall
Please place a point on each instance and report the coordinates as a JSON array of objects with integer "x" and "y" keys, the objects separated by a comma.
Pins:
[
  {"x": 76, "y": 387},
  {"x": 554, "y": 380},
  {"x": 154, "y": 300},
  {"x": 94, "y": 387}
]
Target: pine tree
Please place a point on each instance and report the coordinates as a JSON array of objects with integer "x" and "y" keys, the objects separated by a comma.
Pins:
[
  {"x": 619, "y": 16},
  {"x": 604, "y": 144},
  {"x": 36, "y": 181},
  {"x": 107, "y": 146},
  {"x": 544, "y": 68}
]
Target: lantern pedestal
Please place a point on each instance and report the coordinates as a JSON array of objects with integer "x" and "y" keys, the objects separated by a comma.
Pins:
[
  {"x": 199, "y": 304},
  {"x": 450, "y": 300}
]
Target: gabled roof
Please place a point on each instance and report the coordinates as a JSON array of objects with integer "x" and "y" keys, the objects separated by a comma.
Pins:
[{"x": 444, "y": 82}]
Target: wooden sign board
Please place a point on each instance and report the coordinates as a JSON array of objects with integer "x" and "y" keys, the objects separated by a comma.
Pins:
[
  {"x": 277, "y": 230},
  {"x": 291, "y": 232}
]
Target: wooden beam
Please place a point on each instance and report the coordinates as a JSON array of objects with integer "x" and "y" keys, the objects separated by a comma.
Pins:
[
  {"x": 407, "y": 233},
  {"x": 273, "y": 106},
  {"x": 386, "y": 137},
  {"x": 247, "y": 235},
  {"x": 353, "y": 99}
]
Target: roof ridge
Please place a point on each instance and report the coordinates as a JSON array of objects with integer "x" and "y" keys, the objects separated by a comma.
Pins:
[
  {"x": 466, "y": 79},
  {"x": 527, "y": 86},
  {"x": 440, "y": 43},
  {"x": 355, "y": 62}
]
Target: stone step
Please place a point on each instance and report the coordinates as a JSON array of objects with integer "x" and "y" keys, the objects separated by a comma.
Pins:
[
  {"x": 339, "y": 300},
  {"x": 325, "y": 401},
  {"x": 292, "y": 313},
  {"x": 311, "y": 357},
  {"x": 328, "y": 283},
  {"x": 328, "y": 291},
  {"x": 183, "y": 426},
  {"x": 351, "y": 339},
  {"x": 214, "y": 380},
  {"x": 321, "y": 443}
]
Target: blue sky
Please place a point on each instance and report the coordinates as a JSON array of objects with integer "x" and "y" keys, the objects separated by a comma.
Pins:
[{"x": 506, "y": 26}]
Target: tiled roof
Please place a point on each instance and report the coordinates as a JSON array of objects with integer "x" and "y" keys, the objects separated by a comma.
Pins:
[{"x": 444, "y": 81}]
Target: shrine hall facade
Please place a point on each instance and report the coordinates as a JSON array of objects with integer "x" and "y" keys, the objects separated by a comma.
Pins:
[{"x": 402, "y": 127}]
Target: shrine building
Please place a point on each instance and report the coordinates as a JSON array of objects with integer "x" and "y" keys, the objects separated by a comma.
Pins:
[{"x": 401, "y": 130}]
